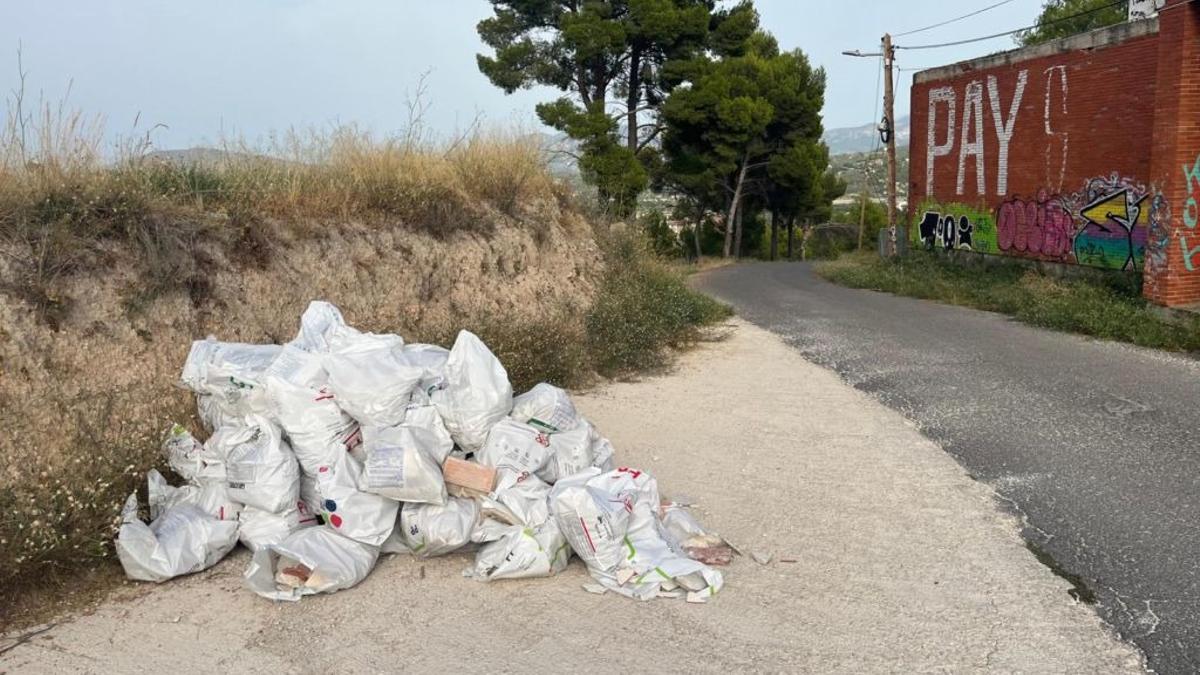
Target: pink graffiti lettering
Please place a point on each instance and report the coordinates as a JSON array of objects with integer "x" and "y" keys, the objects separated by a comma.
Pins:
[{"x": 1041, "y": 227}]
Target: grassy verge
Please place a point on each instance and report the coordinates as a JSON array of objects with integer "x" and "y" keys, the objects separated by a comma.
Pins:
[{"x": 1107, "y": 306}]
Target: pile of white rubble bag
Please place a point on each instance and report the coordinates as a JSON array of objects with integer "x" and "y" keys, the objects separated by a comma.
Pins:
[{"x": 341, "y": 446}]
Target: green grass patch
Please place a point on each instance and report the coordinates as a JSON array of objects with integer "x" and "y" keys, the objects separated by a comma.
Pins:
[{"x": 1106, "y": 306}]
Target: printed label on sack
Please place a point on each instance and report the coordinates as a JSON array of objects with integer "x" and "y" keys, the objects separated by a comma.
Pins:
[
  {"x": 385, "y": 467},
  {"x": 244, "y": 462}
]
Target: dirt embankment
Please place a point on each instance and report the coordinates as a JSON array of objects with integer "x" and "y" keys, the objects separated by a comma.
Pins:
[{"x": 84, "y": 397}]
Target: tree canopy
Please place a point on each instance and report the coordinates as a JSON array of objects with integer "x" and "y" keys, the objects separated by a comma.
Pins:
[
  {"x": 1063, "y": 18},
  {"x": 617, "y": 59}
]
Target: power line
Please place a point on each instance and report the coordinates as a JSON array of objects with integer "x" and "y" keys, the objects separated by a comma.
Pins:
[
  {"x": 955, "y": 20},
  {"x": 1020, "y": 30}
]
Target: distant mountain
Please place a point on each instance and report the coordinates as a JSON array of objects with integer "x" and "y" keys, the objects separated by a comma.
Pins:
[{"x": 849, "y": 140}]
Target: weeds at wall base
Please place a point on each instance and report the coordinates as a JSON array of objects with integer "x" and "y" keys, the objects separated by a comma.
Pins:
[{"x": 1107, "y": 306}]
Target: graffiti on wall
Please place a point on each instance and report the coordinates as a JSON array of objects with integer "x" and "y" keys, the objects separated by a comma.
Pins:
[
  {"x": 1191, "y": 216},
  {"x": 1105, "y": 224},
  {"x": 954, "y": 226},
  {"x": 972, "y": 142}
]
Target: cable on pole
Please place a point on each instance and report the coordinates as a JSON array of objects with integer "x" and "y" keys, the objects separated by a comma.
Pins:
[{"x": 955, "y": 20}]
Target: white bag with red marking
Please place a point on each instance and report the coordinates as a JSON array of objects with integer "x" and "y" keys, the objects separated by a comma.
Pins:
[
  {"x": 260, "y": 469},
  {"x": 311, "y": 560},
  {"x": 611, "y": 521},
  {"x": 518, "y": 499},
  {"x": 570, "y": 453},
  {"x": 359, "y": 515},
  {"x": 302, "y": 403},
  {"x": 182, "y": 540},
  {"x": 473, "y": 394},
  {"x": 211, "y": 497},
  {"x": 402, "y": 464},
  {"x": 429, "y": 530},
  {"x": 258, "y": 529},
  {"x": 515, "y": 448}
]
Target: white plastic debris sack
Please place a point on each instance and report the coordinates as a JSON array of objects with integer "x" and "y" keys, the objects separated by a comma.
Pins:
[
  {"x": 258, "y": 529},
  {"x": 570, "y": 453},
  {"x": 211, "y": 497},
  {"x": 431, "y": 359},
  {"x": 546, "y": 407},
  {"x": 260, "y": 468},
  {"x": 593, "y": 518},
  {"x": 190, "y": 459},
  {"x": 515, "y": 447},
  {"x": 229, "y": 372},
  {"x": 427, "y": 420},
  {"x": 372, "y": 385},
  {"x": 359, "y": 515},
  {"x": 311, "y": 560},
  {"x": 183, "y": 540},
  {"x": 473, "y": 394},
  {"x": 518, "y": 499},
  {"x": 522, "y": 553},
  {"x": 402, "y": 463},
  {"x": 602, "y": 449},
  {"x": 611, "y": 521},
  {"x": 321, "y": 326},
  {"x": 430, "y": 530},
  {"x": 302, "y": 403}
]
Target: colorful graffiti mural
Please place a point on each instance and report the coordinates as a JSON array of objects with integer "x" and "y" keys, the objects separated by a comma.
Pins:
[
  {"x": 1106, "y": 224},
  {"x": 1191, "y": 216}
]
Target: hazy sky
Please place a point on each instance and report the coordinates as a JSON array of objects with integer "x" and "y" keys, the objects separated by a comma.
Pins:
[{"x": 204, "y": 68}]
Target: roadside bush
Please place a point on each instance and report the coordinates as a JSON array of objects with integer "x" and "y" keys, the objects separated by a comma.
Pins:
[{"x": 642, "y": 307}]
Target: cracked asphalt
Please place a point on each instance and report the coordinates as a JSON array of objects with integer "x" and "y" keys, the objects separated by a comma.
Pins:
[{"x": 1095, "y": 445}]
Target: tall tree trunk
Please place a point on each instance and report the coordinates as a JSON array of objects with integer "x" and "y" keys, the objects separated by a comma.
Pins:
[
  {"x": 774, "y": 233},
  {"x": 632, "y": 98},
  {"x": 699, "y": 226},
  {"x": 733, "y": 205},
  {"x": 805, "y": 231},
  {"x": 790, "y": 235},
  {"x": 737, "y": 237}
]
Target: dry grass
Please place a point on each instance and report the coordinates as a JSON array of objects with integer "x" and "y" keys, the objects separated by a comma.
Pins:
[{"x": 109, "y": 268}]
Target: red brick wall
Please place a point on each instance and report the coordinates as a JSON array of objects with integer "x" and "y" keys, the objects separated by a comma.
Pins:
[
  {"x": 1100, "y": 147},
  {"x": 1075, "y": 183},
  {"x": 1173, "y": 266}
]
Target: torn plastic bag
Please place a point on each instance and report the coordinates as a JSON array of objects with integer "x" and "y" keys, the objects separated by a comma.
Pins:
[
  {"x": 373, "y": 386},
  {"x": 258, "y": 529},
  {"x": 629, "y": 553},
  {"x": 430, "y": 530},
  {"x": 473, "y": 394},
  {"x": 190, "y": 459},
  {"x": 301, "y": 402},
  {"x": 230, "y": 372},
  {"x": 401, "y": 464},
  {"x": 546, "y": 407},
  {"x": 209, "y": 412},
  {"x": 359, "y": 515},
  {"x": 515, "y": 447},
  {"x": 211, "y": 497},
  {"x": 519, "y": 499},
  {"x": 523, "y": 552},
  {"x": 183, "y": 540},
  {"x": 260, "y": 468},
  {"x": 311, "y": 560},
  {"x": 593, "y": 517}
]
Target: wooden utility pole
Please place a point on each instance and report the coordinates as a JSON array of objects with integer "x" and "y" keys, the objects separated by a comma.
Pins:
[{"x": 889, "y": 124}]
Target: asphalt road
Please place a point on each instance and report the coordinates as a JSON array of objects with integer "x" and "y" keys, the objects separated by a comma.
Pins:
[{"x": 1095, "y": 444}]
